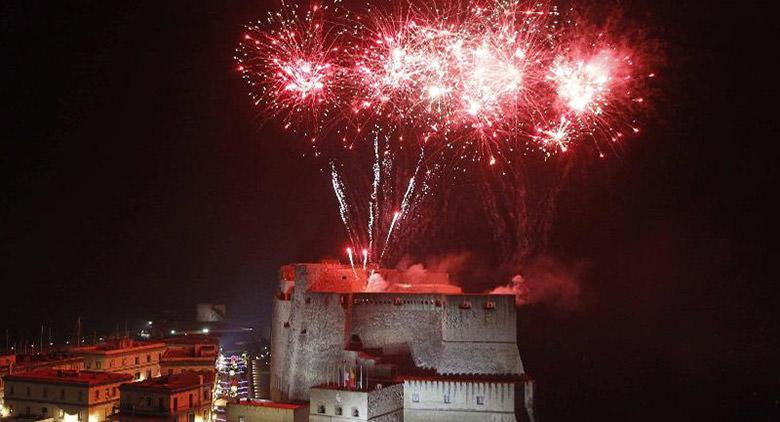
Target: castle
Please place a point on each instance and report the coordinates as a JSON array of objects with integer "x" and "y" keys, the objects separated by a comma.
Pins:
[{"x": 425, "y": 350}]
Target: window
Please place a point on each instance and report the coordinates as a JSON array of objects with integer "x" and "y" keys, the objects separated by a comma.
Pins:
[
  {"x": 339, "y": 411},
  {"x": 240, "y": 419},
  {"x": 149, "y": 373},
  {"x": 190, "y": 399},
  {"x": 62, "y": 394},
  {"x": 175, "y": 403},
  {"x": 170, "y": 372},
  {"x": 113, "y": 392},
  {"x": 480, "y": 400},
  {"x": 355, "y": 412},
  {"x": 321, "y": 408},
  {"x": 97, "y": 394},
  {"x": 138, "y": 375},
  {"x": 416, "y": 397},
  {"x": 136, "y": 360},
  {"x": 148, "y": 358},
  {"x": 447, "y": 398},
  {"x": 97, "y": 364}
]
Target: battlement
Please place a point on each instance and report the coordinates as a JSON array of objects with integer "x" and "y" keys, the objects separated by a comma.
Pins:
[{"x": 333, "y": 277}]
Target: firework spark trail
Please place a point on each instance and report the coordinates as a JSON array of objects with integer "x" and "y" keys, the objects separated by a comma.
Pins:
[
  {"x": 405, "y": 202},
  {"x": 338, "y": 189},
  {"x": 352, "y": 262},
  {"x": 372, "y": 207}
]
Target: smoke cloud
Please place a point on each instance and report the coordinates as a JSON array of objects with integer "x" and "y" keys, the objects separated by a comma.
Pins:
[
  {"x": 376, "y": 283},
  {"x": 546, "y": 280},
  {"x": 416, "y": 272}
]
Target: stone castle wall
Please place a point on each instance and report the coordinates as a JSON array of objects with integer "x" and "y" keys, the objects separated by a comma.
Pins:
[
  {"x": 453, "y": 334},
  {"x": 435, "y": 400}
]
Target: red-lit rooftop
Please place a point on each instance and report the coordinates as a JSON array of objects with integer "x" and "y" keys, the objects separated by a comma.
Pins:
[
  {"x": 117, "y": 346},
  {"x": 85, "y": 378},
  {"x": 271, "y": 404},
  {"x": 173, "y": 382}
]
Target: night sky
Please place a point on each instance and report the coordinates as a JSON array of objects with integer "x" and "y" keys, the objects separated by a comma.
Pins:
[{"x": 136, "y": 177}]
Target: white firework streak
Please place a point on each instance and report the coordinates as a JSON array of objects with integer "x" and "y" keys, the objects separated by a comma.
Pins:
[
  {"x": 374, "y": 194},
  {"x": 338, "y": 188},
  {"x": 404, "y": 203}
]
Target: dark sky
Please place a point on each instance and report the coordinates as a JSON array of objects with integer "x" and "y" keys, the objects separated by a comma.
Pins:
[{"x": 136, "y": 177}]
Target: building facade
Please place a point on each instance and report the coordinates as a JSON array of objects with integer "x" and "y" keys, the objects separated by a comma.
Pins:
[
  {"x": 463, "y": 398},
  {"x": 141, "y": 360},
  {"x": 375, "y": 403},
  {"x": 189, "y": 353},
  {"x": 66, "y": 396},
  {"x": 266, "y": 411},
  {"x": 20, "y": 364},
  {"x": 183, "y": 397}
]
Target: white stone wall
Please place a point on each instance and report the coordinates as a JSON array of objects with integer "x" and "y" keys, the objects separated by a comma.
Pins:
[
  {"x": 414, "y": 325},
  {"x": 458, "y": 401},
  {"x": 384, "y": 404}
]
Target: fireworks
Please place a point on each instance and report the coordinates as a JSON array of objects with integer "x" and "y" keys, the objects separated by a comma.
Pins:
[{"x": 483, "y": 83}]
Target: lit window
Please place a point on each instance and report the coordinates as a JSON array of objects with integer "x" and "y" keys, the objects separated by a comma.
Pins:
[
  {"x": 446, "y": 398},
  {"x": 240, "y": 419},
  {"x": 480, "y": 400},
  {"x": 416, "y": 397}
]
